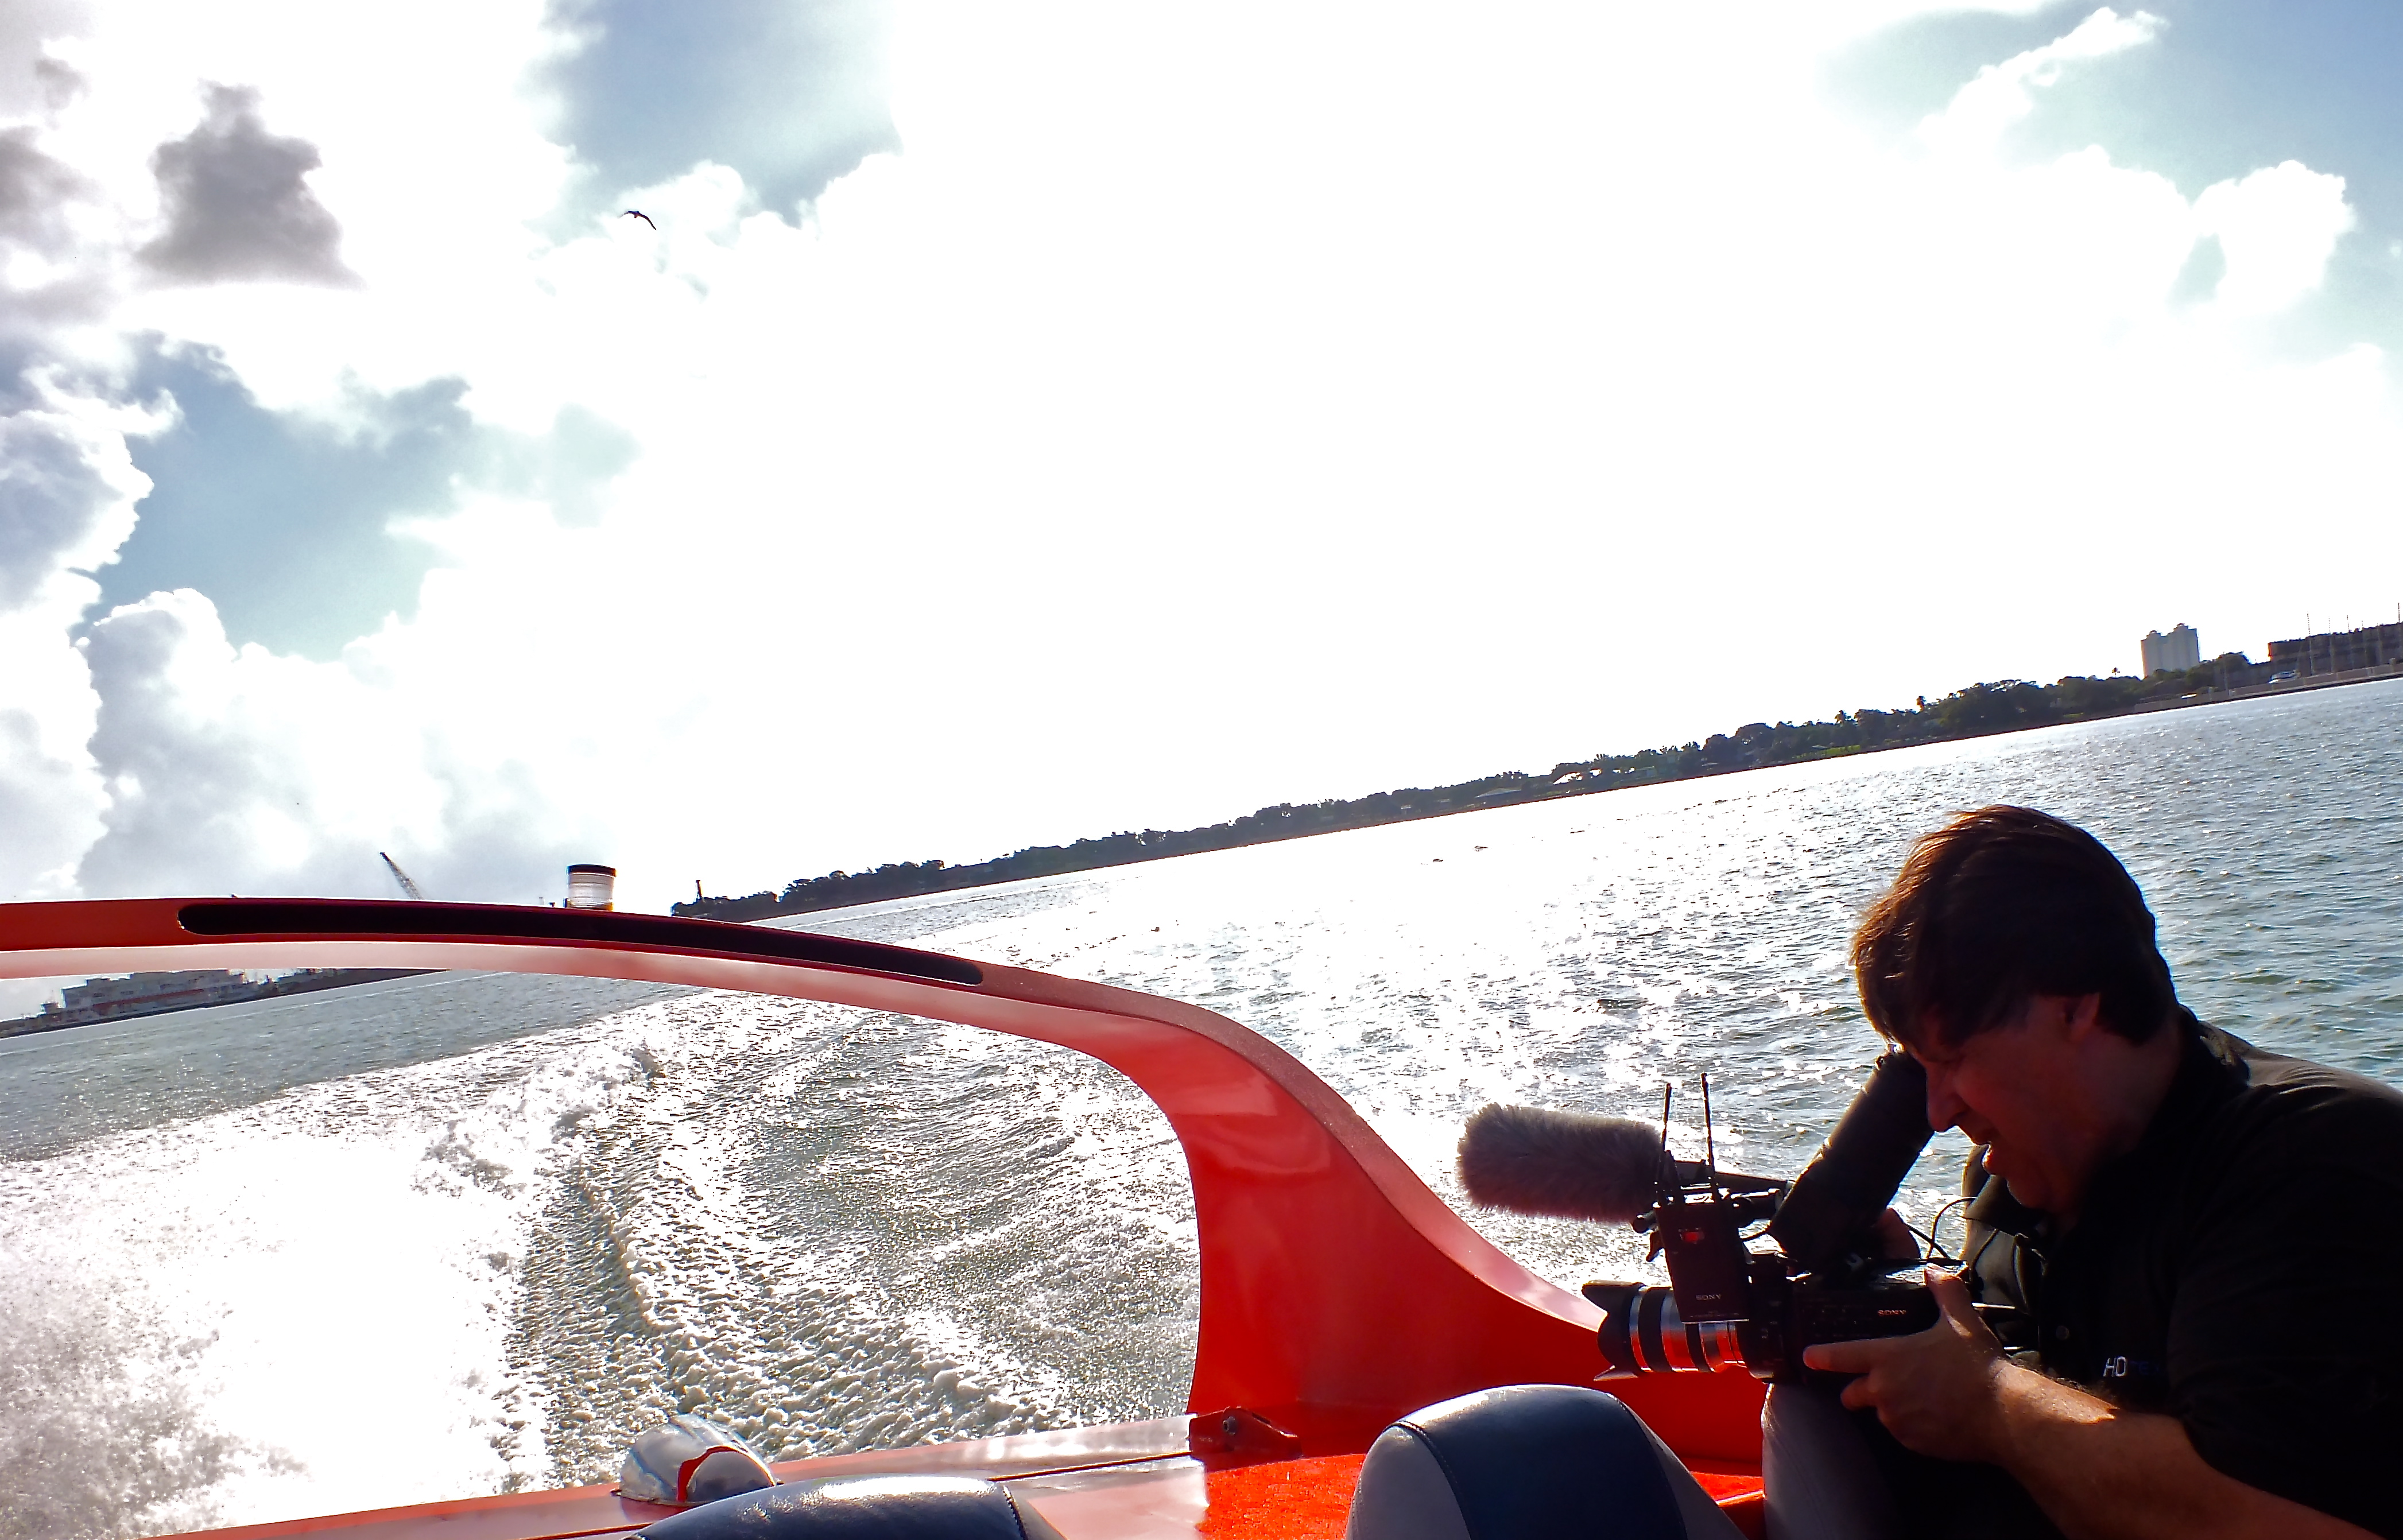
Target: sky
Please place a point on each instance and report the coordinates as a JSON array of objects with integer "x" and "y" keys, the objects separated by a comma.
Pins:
[{"x": 1016, "y": 423}]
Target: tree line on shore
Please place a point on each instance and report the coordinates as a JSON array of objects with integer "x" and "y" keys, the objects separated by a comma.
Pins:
[{"x": 2005, "y": 705}]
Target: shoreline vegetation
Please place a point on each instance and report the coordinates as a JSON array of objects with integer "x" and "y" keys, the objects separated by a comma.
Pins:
[{"x": 2007, "y": 705}]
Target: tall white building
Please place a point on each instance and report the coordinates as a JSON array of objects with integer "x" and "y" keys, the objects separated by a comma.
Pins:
[{"x": 2175, "y": 653}]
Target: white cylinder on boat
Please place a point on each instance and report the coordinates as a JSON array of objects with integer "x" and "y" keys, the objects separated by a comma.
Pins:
[
  {"x": 689, "y": 1460},
  {"x": 591, "y": 887}
]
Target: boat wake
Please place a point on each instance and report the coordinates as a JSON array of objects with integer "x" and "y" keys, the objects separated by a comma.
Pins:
[
  {"x": 489, "y": 1273},
  {"x": 732, "y": 1240},
  {"x": 104, "y": 1426}
]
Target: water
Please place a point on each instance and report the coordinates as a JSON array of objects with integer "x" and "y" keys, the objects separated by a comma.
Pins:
[{"x": 457, "y": 1234}]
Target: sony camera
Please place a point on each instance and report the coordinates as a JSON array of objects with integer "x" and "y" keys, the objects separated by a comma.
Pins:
[{"x": 1727, "y": 1305}]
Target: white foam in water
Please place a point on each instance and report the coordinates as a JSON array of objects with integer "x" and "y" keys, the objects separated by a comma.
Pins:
[
  {"x": 99, "y": 1433},
  {"x": 768, "y": 1265},
  {"x": 338, "y": 1267}
]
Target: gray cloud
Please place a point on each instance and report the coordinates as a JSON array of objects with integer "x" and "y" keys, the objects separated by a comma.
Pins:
[
  {"x": 791, "y": 93},
  {"x": 51, "y": 499},
  {"x": 238, "y": 202},
  {"x": 33, "y": 193},
  {"x": 30, "y": 79},
  {"x": 182, "y": 788},
  {"x": 58, "y": 82},
  {"x": 285, "y": 521}
]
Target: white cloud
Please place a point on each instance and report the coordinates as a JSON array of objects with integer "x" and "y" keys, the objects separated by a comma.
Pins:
[
  {"x": 233, "y": 770},
  {"x": 1204, "y": 409},
  {"x": 67, "y": 491},
  {"x": 2278, "y": 226},
  {"x": 2004, "y": 94}
]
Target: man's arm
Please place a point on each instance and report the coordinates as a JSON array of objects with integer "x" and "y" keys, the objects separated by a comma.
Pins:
[{"x": 2098, "y": 1472}]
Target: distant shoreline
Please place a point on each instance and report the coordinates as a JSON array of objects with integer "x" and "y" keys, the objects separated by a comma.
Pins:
[
  {"x": 2290, "y": 686},
  {"x": 2009, "y": 706},
  {"x": 1980, "y": 710},
  {"x": 309, "y": 981}
]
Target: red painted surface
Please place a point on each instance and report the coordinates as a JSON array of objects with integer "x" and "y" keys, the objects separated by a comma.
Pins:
[
  {"x": 1304, "y": 1499},
  {"x": 1338, "y": 1291},
  {"x": 1288, "y": 1499},
  {"x": 1310, "y": 1499}
]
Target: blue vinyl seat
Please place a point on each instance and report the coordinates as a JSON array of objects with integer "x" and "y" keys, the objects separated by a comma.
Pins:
[{"x": 1527, "y": 1463}]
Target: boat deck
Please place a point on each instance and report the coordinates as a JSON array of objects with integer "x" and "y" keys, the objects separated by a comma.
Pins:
[
  {"x": 1124, "y": 1481},
  {"x": 1306, "y": 1499}
]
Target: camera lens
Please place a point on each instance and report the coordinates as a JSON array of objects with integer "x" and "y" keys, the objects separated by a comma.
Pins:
[{"x": 1643, "y": 1333}]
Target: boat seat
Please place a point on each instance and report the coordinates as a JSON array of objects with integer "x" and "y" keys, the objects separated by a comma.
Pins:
[
  {"x": 1522, "y": 1461},
  {"x": 862, "y": 1507}
]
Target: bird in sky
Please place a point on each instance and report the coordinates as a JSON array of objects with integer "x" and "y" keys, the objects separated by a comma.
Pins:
[{"x": 640, "y": 215}]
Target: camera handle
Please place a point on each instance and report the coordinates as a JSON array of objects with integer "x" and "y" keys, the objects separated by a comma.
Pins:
[{"x": 1840, "y": 1194}]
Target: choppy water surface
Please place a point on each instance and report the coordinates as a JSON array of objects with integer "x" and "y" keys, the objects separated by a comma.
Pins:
[{"x": 451, "y": 1235}]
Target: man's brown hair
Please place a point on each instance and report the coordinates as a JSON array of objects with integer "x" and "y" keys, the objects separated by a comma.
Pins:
[{"x": 1995, "y": 908}]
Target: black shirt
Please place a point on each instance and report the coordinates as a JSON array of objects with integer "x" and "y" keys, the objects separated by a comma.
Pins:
[{"x": 2242, "y": 1270}]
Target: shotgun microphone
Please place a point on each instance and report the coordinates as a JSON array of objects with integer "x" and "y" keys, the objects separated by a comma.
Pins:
[{"x": 1570, "y": 1165}]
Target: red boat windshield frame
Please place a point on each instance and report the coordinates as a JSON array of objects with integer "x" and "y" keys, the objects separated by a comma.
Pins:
[{"x": 1338, "y": 1291}]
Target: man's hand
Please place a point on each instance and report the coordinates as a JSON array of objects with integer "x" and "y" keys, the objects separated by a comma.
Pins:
[
  {"x": 1896, "y": 1242},
  {"x": 1941, "y": 1390},
  {"x": 2098, "y": 1472}
]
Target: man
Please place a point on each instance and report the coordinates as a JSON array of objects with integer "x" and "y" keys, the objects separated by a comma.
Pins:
[{"x": 2206, "y": 1239}]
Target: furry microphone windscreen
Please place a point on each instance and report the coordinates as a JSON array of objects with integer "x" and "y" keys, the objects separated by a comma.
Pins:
[{"x": 1573, "y": 1165}]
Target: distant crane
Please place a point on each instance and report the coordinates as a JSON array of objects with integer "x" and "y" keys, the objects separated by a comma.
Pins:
[{"x": 402, "y": 877}]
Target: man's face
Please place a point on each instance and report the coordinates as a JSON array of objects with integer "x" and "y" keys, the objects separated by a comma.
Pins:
[{"x": 2018, "y": 1090}]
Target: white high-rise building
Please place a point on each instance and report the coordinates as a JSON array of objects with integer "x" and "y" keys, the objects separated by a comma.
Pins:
[{"x": 2175, "y": 653}]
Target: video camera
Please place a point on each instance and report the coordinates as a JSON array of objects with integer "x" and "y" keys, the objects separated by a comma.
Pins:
[{"x": 1726, "y": 1305}]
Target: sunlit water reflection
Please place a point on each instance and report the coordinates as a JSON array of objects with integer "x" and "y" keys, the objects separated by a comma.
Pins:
[{"x": 444, "y": 1235}]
